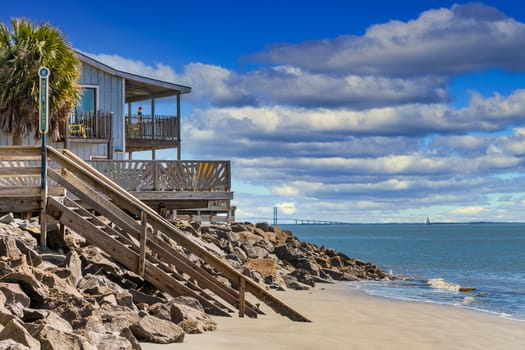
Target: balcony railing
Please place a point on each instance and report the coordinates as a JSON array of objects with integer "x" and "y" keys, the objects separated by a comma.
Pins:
[
  {"x": 86, "y": 125},
  {"x": 157, "y": 127},
  {"x": 165, "y": 175}
]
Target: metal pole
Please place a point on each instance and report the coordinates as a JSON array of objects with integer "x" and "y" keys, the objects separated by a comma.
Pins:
[{"x": 43, "y": 195}]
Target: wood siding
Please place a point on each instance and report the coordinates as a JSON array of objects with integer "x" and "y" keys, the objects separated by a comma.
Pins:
[{"x": 110, "y": 94}]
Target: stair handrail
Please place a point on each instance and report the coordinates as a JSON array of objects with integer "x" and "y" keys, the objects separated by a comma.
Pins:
[{"x": 83, "y": 170}]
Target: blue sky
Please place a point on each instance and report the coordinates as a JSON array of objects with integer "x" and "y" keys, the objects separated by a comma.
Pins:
[{"x": 370, "y": 111}]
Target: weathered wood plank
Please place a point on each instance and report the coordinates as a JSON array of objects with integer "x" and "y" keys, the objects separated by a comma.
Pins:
[
  {"x": 185, "y": 195},
  {"x": 20, "y": 171},
  {"x": 20, "y": 152},
  {"x": 143, "y": 240},
  {"x": 242, "y": 290},
  {"x": 19, "y": 205},
  {"x": 17, "y": 192}
]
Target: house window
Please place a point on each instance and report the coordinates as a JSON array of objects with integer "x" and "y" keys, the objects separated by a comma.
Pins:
[{"x": 89, "y": 100}]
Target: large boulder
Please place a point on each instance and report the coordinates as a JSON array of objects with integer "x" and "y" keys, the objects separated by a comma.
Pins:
[
  {"x": 248, "y": 237},
  {"x": 108, "y": 341},
  {"x": 7, "y": 218},
  {"x": 239, "y": 227},
  {"x": 254, "y": 252},
  {"x": 240, "y": 255},
  {"x": 74, "y": 264},
  {"x": 10, "y": 344},
  {"x": 14, "y": 294},
  {"x": 8, "y": 248},
  {"x": 33, "y": 258},
  {"x": 55, "y": 338},
  {"x": 98, "y": 285},
  {"x": 188, "y": 301},
  {"x": 6, "y": 316},
  {"x": 95, "y": 260},
  {"x": 282, "y": 236},
  {"x": 143, "y": 298},
  {"x": 309, "y": 265},
  {"x": 155, "y": 330},
  {"x": 15, "y": 330},
  {"x": 289, "y": 253},
  {"x": 203, "y": 322},
  {"x": 35, "y": 290},
  {"x": 266, "y": 267},
  {"x": 292, "y": 283},
  {"x": 304, "y": 277}
]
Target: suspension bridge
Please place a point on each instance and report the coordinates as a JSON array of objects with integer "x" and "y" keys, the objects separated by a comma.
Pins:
[{"x": 298, "y": 221}]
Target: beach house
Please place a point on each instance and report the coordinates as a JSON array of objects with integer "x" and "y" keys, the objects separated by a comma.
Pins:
[{"x": 107, "y": 127}]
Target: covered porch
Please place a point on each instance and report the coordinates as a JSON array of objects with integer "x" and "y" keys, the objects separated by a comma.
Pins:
[
  {"x": 151, "y": 131},
  {"x": 110, "y": 115}
]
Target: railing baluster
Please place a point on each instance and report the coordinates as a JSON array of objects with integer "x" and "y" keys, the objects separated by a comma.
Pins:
[{"x": 167, "y": 175}]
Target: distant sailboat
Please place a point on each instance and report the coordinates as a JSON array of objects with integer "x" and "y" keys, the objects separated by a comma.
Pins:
[{"x": 428, "y": 221}]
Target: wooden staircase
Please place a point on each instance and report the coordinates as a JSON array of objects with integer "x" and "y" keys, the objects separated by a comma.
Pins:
[{"x": 140, "y": 239}]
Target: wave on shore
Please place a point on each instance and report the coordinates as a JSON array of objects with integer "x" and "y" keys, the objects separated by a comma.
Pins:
[
  {"x": 444, "y": 293},
  {"x": 440, "y": 283}
]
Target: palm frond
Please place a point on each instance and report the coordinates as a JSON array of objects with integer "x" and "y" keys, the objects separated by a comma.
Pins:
[{"x": 23, "y": 50}]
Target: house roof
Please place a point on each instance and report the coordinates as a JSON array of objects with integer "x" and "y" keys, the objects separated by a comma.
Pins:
[{"x": 138, "y": 87}]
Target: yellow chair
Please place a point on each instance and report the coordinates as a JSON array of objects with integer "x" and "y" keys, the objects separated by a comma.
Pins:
[
  {"x": 77, "y": 130},
  {"x": 133, "y": 129}
]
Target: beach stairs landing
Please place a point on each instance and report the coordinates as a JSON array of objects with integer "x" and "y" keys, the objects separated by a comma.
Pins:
[{"x": 139, "y": 238}]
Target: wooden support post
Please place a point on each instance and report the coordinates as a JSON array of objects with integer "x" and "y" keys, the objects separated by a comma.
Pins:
[
  {"x": 153, "y": 122},
  {"x": 143, "y": 237},
  {"x": 178, "y": 128},
  {"x": 110, "y": 143},
  {"x": 62, "y": 231},
  {"x": 156, "y": 173},
  {"x": 242, "y": 290}
]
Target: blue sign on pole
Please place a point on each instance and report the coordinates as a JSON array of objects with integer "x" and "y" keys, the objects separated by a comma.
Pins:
[{"x": 43, "y": 73}]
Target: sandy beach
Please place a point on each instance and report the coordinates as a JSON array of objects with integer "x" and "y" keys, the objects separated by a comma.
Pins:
[{"x": 347, "y": 319}]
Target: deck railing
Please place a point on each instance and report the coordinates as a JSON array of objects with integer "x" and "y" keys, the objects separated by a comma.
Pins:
[
  {"x": 85, "y": 125},
  {"x": 157, "y": 127},
  {"x": 20, "y": 175},
  {"x": 166, "y": 175}
]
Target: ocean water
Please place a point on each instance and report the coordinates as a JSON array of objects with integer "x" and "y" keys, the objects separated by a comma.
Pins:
[{"x": 439, "y": 258}]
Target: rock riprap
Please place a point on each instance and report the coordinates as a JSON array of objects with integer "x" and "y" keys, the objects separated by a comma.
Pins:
[{"x": 78, "y": 297}]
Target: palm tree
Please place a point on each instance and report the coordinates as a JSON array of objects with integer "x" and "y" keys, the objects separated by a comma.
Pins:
[{"x": 22, "y": 51}]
